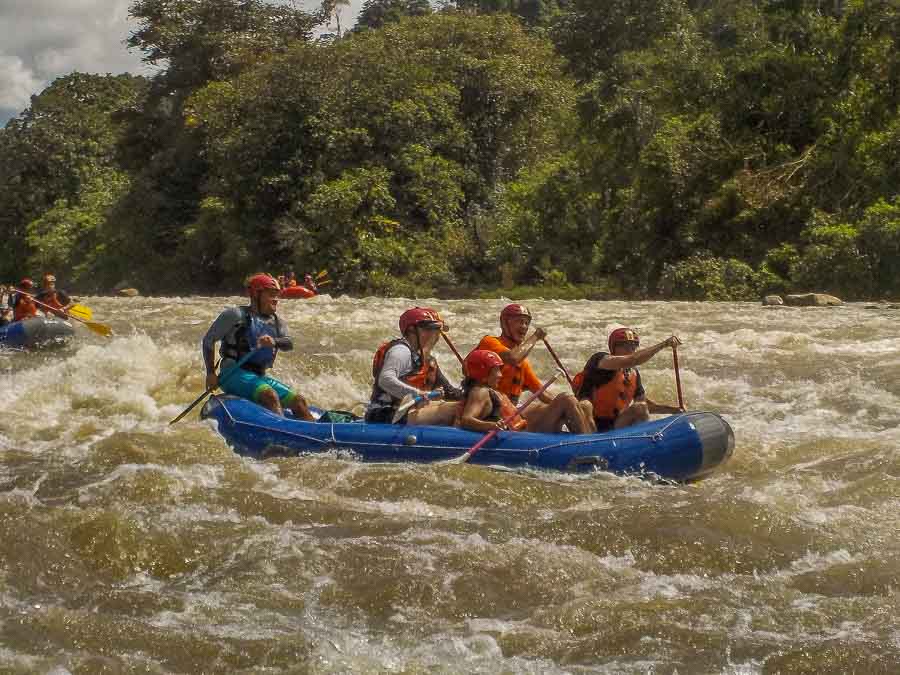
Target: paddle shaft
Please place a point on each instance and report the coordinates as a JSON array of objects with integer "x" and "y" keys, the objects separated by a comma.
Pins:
[
  {"x": 508, "y": 420},
  {"x": 89, "y": 324},
  {"x": 453, "y": 349},
  {"x": 677, "y": 377},
  {"x": 210, "y": 390},
  {"x": 561, "y": 366}
]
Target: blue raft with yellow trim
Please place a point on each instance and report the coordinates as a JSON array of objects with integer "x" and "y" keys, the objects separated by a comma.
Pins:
[{"x": 681, "y": 447}]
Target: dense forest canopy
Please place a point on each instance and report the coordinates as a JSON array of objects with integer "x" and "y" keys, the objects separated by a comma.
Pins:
[{"x": 690, "y": 149}]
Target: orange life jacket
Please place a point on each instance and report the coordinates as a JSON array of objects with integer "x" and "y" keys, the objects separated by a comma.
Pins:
[
  {"x": 25, "y": 308},
  {"x": 512, "y": 377},
  {"x": 423, "y": 377},
  {"x": 501, "y": 408},
  {"x": 610, "y": 399}
]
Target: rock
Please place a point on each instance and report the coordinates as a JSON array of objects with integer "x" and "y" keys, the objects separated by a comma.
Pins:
[
  {"x": 129, "y": 292},
  {"x": 772, "y": 301},
  {"x": 812, "y": 300}
]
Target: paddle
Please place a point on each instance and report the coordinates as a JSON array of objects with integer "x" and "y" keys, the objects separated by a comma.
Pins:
[
  {"x": 323, "y": 283},
  {"x": 561, "y": 366},
  {"x": 677, "y": 378},
  {"x": 321, "y": 275},
  {"x": 406, "y": 405},
  {"x": 210, "y": 390},
  {"x": 81, "y": 312},
  {"x": 462, "y": 459},
  {"x": 99, "y": 328},
  {"x": 453, "y": 349}
]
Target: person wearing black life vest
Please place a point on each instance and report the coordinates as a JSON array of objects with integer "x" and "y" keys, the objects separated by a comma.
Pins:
[
  {"x": 484, "y": 407},
  {"x": 241, "y": 330},
  {"x": 405, "y": 367},
  {"x": 612, "y": 383}
]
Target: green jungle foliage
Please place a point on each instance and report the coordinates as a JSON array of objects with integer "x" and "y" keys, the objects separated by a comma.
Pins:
[{"x": 665, "y": 148}]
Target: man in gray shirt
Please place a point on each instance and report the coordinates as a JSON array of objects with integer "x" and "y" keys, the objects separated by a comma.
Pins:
[{"x": 258, "y": 331}]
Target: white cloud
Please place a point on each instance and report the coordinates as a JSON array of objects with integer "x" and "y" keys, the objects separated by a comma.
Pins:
[
  {"x": 41, "y": 40},
  {"x": 17, "y": 83}
]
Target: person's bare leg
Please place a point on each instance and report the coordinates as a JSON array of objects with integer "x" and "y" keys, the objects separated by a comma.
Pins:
[
  {"x": 550, "y": 417},
  {"x": 300, "y": 408},
  {"x": 586, "y": 408},
  {"x": 269, "y": 399},
  {"x": 441, "y": 414},
  {"x": 636, "y": 413}
]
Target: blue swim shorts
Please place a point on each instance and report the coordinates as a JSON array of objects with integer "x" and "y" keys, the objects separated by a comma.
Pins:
[{"x": 249, "y": 385}]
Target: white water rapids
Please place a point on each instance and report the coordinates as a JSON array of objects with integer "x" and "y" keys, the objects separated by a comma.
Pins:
[{"x": 132, "y": 546}]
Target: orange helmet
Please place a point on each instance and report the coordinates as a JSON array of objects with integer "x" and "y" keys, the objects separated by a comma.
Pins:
[
  {"x": 620, "y": 335},
  {"x": 419, "y": 316},
  {"x": 480, "y": 362},
  {"x": 262, "y": 282}
]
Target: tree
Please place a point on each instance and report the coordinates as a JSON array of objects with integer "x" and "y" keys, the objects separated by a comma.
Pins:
[
  {"x": 377, "y": 13},
  {"x": 62, "y": 143}
]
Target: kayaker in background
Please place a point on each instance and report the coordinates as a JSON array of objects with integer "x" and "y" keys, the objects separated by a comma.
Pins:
[
  {"x": 52, "y": 297},
  {"x": 549, "y": 413},
  {"x": 484, "y": 407},
  {"x": 612, "y": 383},
  {"x": 405, "y": 366},
  {"x": 22, "y": 304},
  {"x": 242, "y": 330}
]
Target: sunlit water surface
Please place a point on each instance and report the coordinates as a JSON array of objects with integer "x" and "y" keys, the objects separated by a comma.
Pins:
[{"x": 127, "y": 545}]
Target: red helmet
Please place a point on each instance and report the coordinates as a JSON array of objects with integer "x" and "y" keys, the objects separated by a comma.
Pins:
[
  {"x": 480, "y": 362},
  {"x": 620, "y": 335},
  {"x": 420, "y": 316},
  {"x": 262, "y": 282},
  {"x": 26, "y": 283},
  {"x": 514, "y": 310}
]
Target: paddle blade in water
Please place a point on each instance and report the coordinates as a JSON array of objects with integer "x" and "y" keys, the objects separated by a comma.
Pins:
[
  {"x": 80, "y": 312},
  {"x": 99, "y": 328}
]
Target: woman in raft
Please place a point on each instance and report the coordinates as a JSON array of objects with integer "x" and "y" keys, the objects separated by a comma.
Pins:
[{"x": 484, "y": 408}]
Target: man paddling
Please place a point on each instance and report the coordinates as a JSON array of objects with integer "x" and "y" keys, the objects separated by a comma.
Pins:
[
  {"x": 549, "y": 413},
  {"x": 53, "y": 300},
  {"x": 254, "y": 328},
  {"x": 22, "y": 303},
  {"x": 405, "y": 369},
  {"x": 612, "y": 383}
]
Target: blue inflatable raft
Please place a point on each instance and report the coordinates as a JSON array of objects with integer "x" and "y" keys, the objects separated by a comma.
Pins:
[
  {"x": 681, "y": 447},
  {"x": 36, "y": 331}
]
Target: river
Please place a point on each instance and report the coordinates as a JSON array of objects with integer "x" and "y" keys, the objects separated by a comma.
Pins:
[{"x": 127, "y": 545}]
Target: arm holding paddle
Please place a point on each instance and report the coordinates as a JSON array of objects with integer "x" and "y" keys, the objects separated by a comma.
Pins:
[{"x": 638, "y": 357}]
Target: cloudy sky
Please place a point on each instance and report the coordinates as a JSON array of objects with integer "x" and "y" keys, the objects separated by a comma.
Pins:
[{"x": 41, "y": 40}]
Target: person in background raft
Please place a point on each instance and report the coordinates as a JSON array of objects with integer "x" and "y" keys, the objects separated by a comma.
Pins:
[
  {"x": 291, "y": 279},
  {"x": 484, "y": 408},
  {"x": 52, "y": 297},
  {"x": 612, "y": 383},
  {"x": 548, "y": 413},
  {"x": 23, "y": 306},
  {"x": 405, "y": 367},
  {"x": 242, "y": 330}
]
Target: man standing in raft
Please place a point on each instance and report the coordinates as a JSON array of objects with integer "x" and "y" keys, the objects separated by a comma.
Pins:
[
  {"x": 405, "y": 367},
  {"x": 242, "y": 330},
  {"x": 547, "y": 414},
  {"x": 612, "y": 383}
]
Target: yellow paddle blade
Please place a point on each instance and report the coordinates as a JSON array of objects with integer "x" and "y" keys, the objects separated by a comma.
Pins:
[
  {"x": 80, "y": 312},
  {"x": 99, "y": 328},
  {"x": 322, "y": 275}
]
